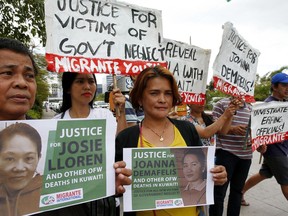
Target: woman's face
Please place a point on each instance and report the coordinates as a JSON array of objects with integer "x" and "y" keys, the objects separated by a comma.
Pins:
[
  {"x": 83, "y": 89},
  {"x": 192, "y": 168},
  {"x": 18, "y": 162},
  {"x": 195, "y": 108},
  {"x": 157, "y": 98}
]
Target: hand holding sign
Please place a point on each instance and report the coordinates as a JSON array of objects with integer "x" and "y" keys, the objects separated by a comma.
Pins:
[
  {"x": 219, "y": 175},
  {"x": 122, "y": 176}
]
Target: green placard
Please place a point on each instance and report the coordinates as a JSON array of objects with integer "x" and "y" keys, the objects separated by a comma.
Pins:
[
  {"x": 155, "y": 177},
  {"x": 75, "y": 163}
]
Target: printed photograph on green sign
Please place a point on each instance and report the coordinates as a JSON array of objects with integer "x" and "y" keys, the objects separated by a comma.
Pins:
[
  {"x": 165, "y": 178},
  {"x": 49, "y": 164}
]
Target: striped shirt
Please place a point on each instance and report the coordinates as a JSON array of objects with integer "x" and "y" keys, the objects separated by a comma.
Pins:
[
  {"x": 233, "y": 143},
  {"x": 131, "y": 115}
]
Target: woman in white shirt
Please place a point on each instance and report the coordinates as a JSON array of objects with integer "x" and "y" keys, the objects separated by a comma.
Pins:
[{"x": 79, "y": 92}]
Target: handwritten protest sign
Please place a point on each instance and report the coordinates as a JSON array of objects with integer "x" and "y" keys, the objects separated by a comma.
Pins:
[
  {"x": 269, "y": 123},
  {"x": 235, "y": 66},
  {"x": 102, "y": 37},
  {"x": 71, "y": 162},
  {"x": 162, "y": 177},
  {"x": 189, "y": 65}
]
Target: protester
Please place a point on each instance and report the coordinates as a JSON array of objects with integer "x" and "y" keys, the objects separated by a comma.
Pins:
[
  {"x": 17, "y": 80},
  {"x": 17, "y": 96},
  {"x": 205, "y": 125},
  {"x": 276, "y": 155},
  {"x": 132, "y": 116},
  {"x": 20, "y": 184},
  {"x": 155, "y": 92},
  {"x": 46, "y": 106},
  {"x": 194, "y": 170},
  {"x": 79, "y": 92},
  {"x": 235, "y": 155}
]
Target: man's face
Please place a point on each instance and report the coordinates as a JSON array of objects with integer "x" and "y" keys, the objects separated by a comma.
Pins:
[
  {"x": 281, "y": 91},
  {"x": 17, "y": 85}
]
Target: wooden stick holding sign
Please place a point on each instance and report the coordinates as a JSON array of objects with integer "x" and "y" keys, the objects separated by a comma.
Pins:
[{"x": 117, "y": 111}]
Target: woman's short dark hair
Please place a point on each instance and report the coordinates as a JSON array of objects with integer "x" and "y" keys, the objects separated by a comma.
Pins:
[
  {"x": 67, "y": 80},
  {"x": 24, "y": 130},
  {"x": 142, "y": 80},
  {"x": 17, "y": 47}
]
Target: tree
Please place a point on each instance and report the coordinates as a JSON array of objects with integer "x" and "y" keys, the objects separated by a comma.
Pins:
[
  {"x": 100, "y": 97},
  {"x": 261, "y": 91},
  {"x": 263, "y": 84},
  {"x": 23, "y": 20},
  {"x": 42, "y": 87}
]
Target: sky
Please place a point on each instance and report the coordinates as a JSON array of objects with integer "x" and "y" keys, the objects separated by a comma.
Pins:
[{"x": 263, "y": 23}]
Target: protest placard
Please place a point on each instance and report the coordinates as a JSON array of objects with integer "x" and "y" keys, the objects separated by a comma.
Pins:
[
  {"x": 102, "y": 37},
  {"x": 235, "y": 66},
  {"x": 162, "y": 178},
  {"x": 66, "y": 163},
  {"x": 189, "y": 65},
  {"x": 269, "y": 123}
]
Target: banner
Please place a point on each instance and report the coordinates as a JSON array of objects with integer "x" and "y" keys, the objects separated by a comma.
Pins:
[
  {"x": 102, "y": 37},
  {"x": 54, "y": 163},
  {"x": 235, "y": 66},
  {"x": 189, "y": 65},
  {"x": 269, "y": 123},
  {"x": 169, "y": 177}
]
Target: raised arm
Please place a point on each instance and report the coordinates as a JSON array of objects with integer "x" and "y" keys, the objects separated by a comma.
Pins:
[
  {"x": 222, "y": 124},
  {"x": 119, "y": 101}
]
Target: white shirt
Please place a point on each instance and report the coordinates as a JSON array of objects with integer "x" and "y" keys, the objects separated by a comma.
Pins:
[{"x": 95, "y": 113}]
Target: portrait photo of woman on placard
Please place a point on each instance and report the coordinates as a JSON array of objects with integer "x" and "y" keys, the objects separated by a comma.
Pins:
[
  {"x": 20, "y": 184},
  {"x": 194, "y": 171}
]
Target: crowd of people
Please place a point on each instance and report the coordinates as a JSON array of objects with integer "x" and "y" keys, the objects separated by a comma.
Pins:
[{"x": 143, "y": 121}]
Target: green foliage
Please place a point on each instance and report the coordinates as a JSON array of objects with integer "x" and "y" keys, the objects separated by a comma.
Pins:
[
  {"x": 262, "y": 87},
  {"x": 263, "y": 84},
  {"x": 42, "y": 87},
  {"x": 210, "y": 94},
  {"x": 100, "y": 97},
  {"x": 261, "y": 91},
  {"x": 36, "y": 111},
  {"x": 23, "y": 20}
]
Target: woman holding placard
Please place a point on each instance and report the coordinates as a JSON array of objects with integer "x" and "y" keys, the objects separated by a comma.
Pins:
[
  {"x": 79, "y": 92},
  {"x": 204, "y": 123},
  {"x": 155, "y": 91}
]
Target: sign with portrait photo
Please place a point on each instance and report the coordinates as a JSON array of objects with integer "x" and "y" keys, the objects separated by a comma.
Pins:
[
  {"x": 165, "y": 178},
  {"x": 54, "y": 163}
]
